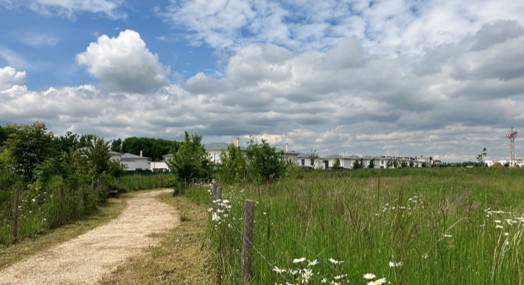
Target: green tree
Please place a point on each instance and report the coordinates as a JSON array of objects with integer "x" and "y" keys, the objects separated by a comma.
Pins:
[
  {"x": 66, "y": 142},
  {"x": 116, "y": 145},
  {"x": 190, "y": 160},
  {"x": 3, "y": 136},
  {"x": 336, "y": 165},
  {"x": 357, "y": 164},
  {"x": 150, "y": 147},
  {"x": 481, "y": 157},
  {"x": 313, "y": 155},
  {"x": 234, "y": 166},
  {"x": 371, "y": 163},
  {"x": 29, "y": 146},
  {"x": 97, "y": 153},
  {"x": 265, "y": 163}
]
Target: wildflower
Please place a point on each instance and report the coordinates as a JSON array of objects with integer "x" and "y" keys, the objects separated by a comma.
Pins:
[
  {"x": 338, "y": 277},
  {"x": 334, "y": 261},
  {"x": 369, "y": 276},
  {"x": 499, "y": 227},
  {"x": 395, "y": 264},
  {"x": 312, "y": 263},
  {"x": 447, "y": 235},
  {"x": 498, "y": 221},
  {"x": 215, "y": 217},
  {"x": 506, "y": 234},
  {"x": 324, "y": 280},
  {"x": 299, "y": 260},
  {"x": 293, "y": 272},
  {"x": 279, "y": 270},
  {"x": 306, "y": 275},
  {"x": 380, "y": 281}
]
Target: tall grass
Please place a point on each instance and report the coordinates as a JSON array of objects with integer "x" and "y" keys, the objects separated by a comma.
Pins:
[
  {"x": 416, "y": 226},
  {"x": 60, "y": 202}
]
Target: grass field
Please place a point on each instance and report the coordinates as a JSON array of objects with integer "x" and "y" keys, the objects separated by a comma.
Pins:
[{"x": 404, "y": 226}]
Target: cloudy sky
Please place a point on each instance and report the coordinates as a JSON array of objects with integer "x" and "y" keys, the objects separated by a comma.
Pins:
[{"x": 410, "y": 77}]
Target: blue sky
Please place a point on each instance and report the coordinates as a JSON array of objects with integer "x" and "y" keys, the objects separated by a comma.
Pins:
[{"x": 442, "y": 78}]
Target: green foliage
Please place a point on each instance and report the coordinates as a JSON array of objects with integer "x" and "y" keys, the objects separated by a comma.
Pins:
[
  {"x": 371, "y": 163},
  {"x": 28, "y": 146},
  {"x": 97, "y": 153},
  {"x": 150, "y": 147},
  {"x": 482, "y": 156},
  {"x": 116, "y": 145},
  {"x": 313, "y": 155},
  {"x": 61, "y": 178},
  {"x": 189, "y": 161},
  {"x": 336, "y": 165},
  {"x": 359, "y": 163},
  {"x": 264, "y": 162},
  {"x": 3, "y": 136},
  {"x": 234, "y": 165},
  {"x": 66, "y": 142}
]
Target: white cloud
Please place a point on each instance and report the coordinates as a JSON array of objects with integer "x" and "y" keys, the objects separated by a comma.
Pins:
[
  {"x": 385, "y": 27},
  {"x": 10, "y": 77},
  {"x": 124, "y": 63},
  {"x": 448, "y": 100},
  {"x": 69, "y": 8}
]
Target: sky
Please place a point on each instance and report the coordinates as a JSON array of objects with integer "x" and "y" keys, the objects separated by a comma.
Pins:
[{"x": 440, "y": 78}]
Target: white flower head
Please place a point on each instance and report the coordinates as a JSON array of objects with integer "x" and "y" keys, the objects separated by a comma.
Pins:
[
  {"x": 395, "y": 264},
  {"x": 279, "y": 270},
  {"x": 369, "y": 276},
  {"x": 334, "y": 261},
  {"x": 299, "y": 260},
  {"x": 312, "y": 263}
]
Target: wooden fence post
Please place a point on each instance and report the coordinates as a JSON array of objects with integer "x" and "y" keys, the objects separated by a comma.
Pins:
[
  {"x": 216, "y": 194},
  {"x": 16, "y": 204},
  {"x": 247, "y": 243}
]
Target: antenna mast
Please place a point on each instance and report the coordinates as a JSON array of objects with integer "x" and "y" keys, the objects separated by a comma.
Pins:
[{"x": 511, "y": 136}]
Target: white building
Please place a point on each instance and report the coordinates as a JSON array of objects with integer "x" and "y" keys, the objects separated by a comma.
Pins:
[{"x": 131, "y": 161}]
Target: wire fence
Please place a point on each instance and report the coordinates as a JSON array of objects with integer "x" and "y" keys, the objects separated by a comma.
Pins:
[{"x": 303, "y": 271}]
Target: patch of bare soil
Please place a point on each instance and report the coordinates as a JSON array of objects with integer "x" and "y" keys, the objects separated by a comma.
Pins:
[{"x": 86, "y": 258}]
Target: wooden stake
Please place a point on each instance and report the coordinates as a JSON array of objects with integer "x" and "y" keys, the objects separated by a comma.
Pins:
[{"x": 247, "y": 244}]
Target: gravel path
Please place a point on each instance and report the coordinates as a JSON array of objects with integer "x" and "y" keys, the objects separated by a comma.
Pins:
[{"x": 86, "y": 258}]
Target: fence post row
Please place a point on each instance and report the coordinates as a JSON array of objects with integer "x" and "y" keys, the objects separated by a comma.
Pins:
[{"x": 247, "y": 243}]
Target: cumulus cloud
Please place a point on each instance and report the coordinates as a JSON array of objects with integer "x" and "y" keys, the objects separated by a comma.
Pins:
[
  {"x": 344, "y": 99},
  {"x": 124, "y": 63},
  {"x": 69, "y": 8},
  {"x": 10, "y": 77},
  {"x": 384, "y": 27}
]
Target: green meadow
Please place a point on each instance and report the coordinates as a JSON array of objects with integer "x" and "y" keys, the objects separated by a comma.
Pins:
[{"x": 370, "y": 226}]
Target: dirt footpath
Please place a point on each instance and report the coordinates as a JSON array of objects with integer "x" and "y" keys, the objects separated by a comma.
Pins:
[{"x": 86, "y": 258}]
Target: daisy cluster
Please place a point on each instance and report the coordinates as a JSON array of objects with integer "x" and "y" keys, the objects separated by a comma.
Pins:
[
  {"x": 221, "y": 211},
  {"x": 305, "y": 273},
  {"x": 414, "y": 203}
]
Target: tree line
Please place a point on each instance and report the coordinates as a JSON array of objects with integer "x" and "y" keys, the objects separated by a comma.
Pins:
[{"x": 62, "y": 178}]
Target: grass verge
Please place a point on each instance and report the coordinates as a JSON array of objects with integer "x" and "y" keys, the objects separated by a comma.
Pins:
[
  {"x": 182, "y": 257},
  {"x": 10, "y": 254}
]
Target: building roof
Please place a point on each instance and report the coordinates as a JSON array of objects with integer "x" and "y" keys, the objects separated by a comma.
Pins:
[{"x": 132, "y": 156}]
